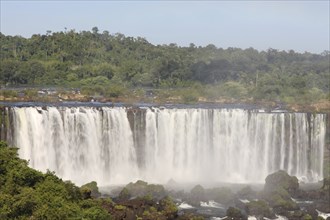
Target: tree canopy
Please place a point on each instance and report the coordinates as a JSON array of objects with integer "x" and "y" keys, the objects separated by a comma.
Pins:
[
  {"x": 26, "y": 193},
  {"x": 96, "y": 61}
]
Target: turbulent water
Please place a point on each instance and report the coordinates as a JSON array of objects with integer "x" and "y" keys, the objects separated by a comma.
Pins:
[{"x": 119, "y": 145}]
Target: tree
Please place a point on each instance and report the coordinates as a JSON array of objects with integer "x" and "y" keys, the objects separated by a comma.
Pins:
[
  {"x": 29, "y": 194},
  {"x": 95, "y": 30}
]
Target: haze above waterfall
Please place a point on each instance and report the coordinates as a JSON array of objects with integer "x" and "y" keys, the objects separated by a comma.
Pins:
[{"x": 120, "y": 145}]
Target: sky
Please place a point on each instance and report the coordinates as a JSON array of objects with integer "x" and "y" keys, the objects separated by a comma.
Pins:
[{"x": 284, "y": 25}]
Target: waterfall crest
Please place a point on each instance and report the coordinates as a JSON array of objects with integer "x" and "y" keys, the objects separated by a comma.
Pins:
[{"x": 120, "y": 145}]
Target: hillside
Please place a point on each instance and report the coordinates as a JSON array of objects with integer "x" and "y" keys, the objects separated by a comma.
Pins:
[{"x": 111, "y": 65}]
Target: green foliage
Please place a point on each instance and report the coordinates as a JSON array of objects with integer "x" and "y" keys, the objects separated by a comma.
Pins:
[
  {"x": 96, "y": 213},
  {"x": 8, "y": 93},
  {"x": 146, "y": 213},
  {"x": 222, "y": 195},
  {"x": 281, "y": 180},
  {"x": 86, "y": 192},
  {"x": 115, "y": 91},
  {"x": 198, "y": 191},
  {"x": 234, "y": 90},
  {"x": 326, "y": 183},
  {"x": 124, "y": 194},
  {"x": 258, "y": 208},
  {"x": 247, "y": 193},
  {"x": 307, "y": 217},
  {"x": 142, "y": 189},
  {"x": 98, "y": 62},
  {"x": 92, "y": 187},
  {"x": 276, "y": 200},
  {"x": 278, "y": 187},
  {"x": 120, "y": 207},
  {"x": 234, "y": 213},
  {"x": 189, "y": 95},
  {"x": 31, "y": 93},
  {"x": 168, "y": 207},
  {"x": 74, "y": 193},
  {"x": 28, "y": 194}
]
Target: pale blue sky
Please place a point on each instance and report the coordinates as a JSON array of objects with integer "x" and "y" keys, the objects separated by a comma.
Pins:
[{"x": 284, "y": 25}]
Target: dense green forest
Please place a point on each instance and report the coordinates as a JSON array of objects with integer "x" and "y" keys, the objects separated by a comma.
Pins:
[
  {"x": 29, "y": 194},
  {"x": 112, "y": 64}
]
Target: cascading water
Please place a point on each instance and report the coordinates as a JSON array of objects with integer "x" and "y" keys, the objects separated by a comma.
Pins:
[{"x": 119, "y": 145}]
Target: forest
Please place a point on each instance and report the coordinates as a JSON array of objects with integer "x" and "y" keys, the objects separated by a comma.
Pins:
[{"x": 112, "y": 65}]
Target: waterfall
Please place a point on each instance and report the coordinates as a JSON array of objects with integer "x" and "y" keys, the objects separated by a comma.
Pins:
[{"x": 120, "y": 145}]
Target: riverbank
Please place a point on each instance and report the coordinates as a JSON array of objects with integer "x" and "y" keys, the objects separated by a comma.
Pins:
[{"x": 321, "y": 106}]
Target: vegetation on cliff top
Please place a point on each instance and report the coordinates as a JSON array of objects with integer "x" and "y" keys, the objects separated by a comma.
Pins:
[
  {"x": 110, "y": 65},
  {"x": 29, "y": 194}
]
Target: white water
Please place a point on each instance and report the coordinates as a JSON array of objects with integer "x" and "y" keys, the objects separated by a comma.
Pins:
[
  {"x": 211, "y": 204},
  {"x": 322, "y": 214},
  {"x": 188, "y": 145},
  {"x": 185, "y": 205}
]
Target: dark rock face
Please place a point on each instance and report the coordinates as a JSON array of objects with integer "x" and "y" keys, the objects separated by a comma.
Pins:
[
  {"x": 281, "y": 196},
  {"x": 278, "y": 190},
  {"x": 149, "y": 209},
  {"x": 141, "y": 200},
  {"x": 222, "y": 195},
  {"x": 140, "y": 189},
  {"x": 259, "y": 209},
  {"x": 235, "y": 213},
  {"x": 197, "y": 194},
  {"x": 247, "y": 193},
  {"x": 124, "y": 194},
  {"x": 281, "y": 179},
  {"x": 91, "y": 189}
]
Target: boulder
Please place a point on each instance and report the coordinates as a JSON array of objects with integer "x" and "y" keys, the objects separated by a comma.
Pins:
[
  {"x": 279, "y": 188},
  {"x": 168, "y": 208},
  {"x": 234, "y": 213},
  {"x": 247, "y": 193},
  {"x": 124, "y": 194},
  {"x": 141, "y": 189},
  {"x": 280, "y": 199},
  {"x": 198, "y": 193},
  {"x": 259, "y": 208},
  {"x": 223, "y": 195},
  {"x": 93, "y": 188},
  {"x": 281, "y": 179}
]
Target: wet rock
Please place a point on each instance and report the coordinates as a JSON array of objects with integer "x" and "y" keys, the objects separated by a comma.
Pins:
[
  {"x": 326, "y": 183},
  {"x": 141, "y": 188},
  {"x": 259, "y": 209},
  {"x": 247, "y": 193},
  {"x": 281, "y": 179},
  {"x": 222, "y": 195},
  {"x": 124, "y": 194},
  {"x": 279, "y": 188},
  {"x": 91, "y": 189},
  {"x": 307, "y": 217},
  {"x": 280, "y": 199},
  {"x": 145, "y": 208},
  {"x": 168, "y": 208},
  {"x": 323, "y": 206},
  {"x": 171, "y": 183},
  {"x": 311, "y": 210},
  {"x": 198, "y": 193},
  {"x": 190, "y": 216},
  {"x": 298, "y": 214},
  {"x": 234, "y": 213}
]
